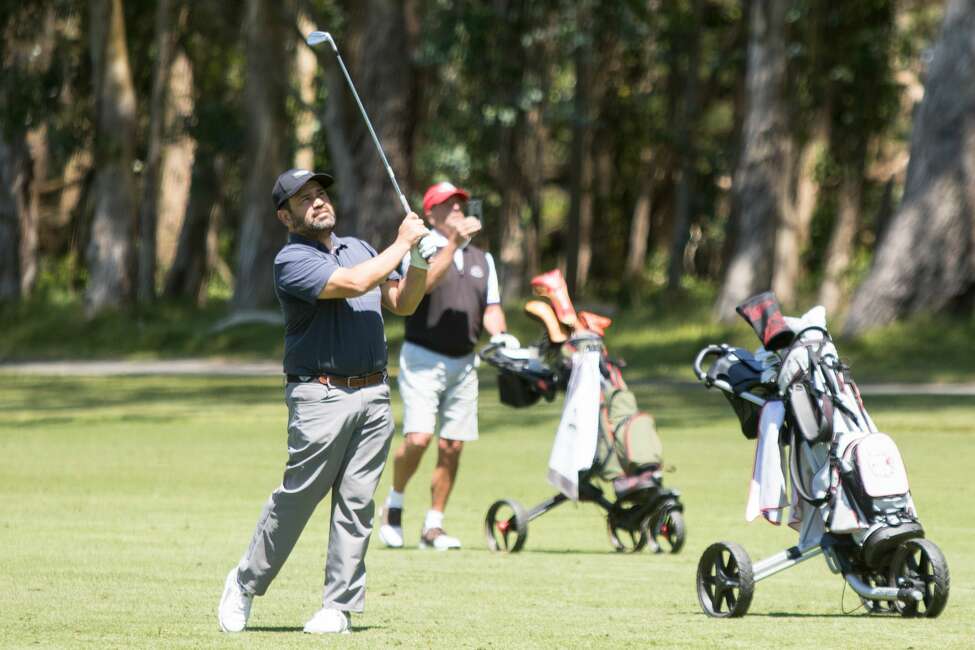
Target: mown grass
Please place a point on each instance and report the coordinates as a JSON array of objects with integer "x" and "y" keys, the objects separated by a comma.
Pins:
[{"x": 126, "y": 500}]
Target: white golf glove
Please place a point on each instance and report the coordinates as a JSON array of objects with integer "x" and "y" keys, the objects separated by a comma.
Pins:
[
  {"x": 505, "y": 340},
  {"x": 422, "y": 251}
]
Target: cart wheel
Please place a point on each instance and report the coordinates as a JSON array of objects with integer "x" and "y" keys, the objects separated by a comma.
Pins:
[
  {"x": 724, "y": 580},
  {"x": 876, "y": 606},
  {"x": 668, "y": 531},
  {"x": 506, "y": 526},
  {"x": 919, "y": 563},
  {"x": 627, "y": 532}
]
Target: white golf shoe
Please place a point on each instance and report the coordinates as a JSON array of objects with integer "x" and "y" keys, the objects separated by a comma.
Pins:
[
  {"x": 235, "y": 605},
  {"x": 436, "y": 538},
  {"x": 329, "y": 621},
  {"x": 391, "y": 532}
]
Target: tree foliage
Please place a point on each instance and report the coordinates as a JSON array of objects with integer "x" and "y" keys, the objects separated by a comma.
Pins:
[{"x": 602, "y": 136}]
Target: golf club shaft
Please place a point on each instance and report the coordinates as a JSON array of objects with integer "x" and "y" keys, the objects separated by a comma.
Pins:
[{"x": 372, "y": 132}]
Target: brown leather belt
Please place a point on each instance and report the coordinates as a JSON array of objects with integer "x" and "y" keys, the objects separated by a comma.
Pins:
[{"x": 360, "y": 381}]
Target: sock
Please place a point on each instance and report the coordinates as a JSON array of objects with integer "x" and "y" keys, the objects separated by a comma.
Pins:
[
  {"x": 434, "y": 519},
  {"x": 395, "y": 499}
]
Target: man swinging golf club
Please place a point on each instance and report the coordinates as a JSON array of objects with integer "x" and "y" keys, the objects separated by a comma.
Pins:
[
  {"x": 339, "y": 418},
  {"x": 437, "y": 379}
]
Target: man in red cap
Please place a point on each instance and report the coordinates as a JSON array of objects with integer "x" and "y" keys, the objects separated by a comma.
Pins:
[{"x": 438, "y": 379}]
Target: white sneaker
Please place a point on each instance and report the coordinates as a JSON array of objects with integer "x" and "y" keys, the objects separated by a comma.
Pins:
[
  {"x": 235, "y": 605},
  {"x": 436, "y": 538},
  {"x": 391, "y": 532},
  {"x": 329, "y": 621}
]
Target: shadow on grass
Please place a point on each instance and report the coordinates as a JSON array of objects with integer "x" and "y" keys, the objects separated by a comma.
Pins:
[
  {"x": 278, "y": 628},
  {"x": 291, "y": 629},
  {"x": 561, "y": 551},
  {"x": 809, "y": 615},
  {"x": 74, "y": 394}
]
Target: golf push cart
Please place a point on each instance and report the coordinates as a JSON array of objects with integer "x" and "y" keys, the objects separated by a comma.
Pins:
[
  {"x": 621, "y": 447},
  {"x": 849, "y": 497}
]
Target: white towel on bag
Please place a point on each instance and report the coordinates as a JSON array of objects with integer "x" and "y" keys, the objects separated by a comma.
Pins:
[
  {"x": 575, "y": 441},
  {"x": 766, "y": 490}
]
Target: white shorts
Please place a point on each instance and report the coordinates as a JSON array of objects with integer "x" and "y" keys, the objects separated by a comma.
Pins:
[{"x": 437, "y": 388}]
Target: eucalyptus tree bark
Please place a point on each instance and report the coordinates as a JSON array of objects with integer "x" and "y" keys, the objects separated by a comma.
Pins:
[
  {"x": 165, "y": 36},
  {"x": 37, "y": 147},
  {"x": 178, "y": 153},
  {"x": 511, "y": 247},
  {"x": 304, "y": 71},
  {"x": 191, "y": 265},
  {"x": 13, "y": 172},
  {"x": 579, "y": 251},
  {"x": 110, "y": 249},
  {"x": 792, "y": 235},
  {"x": 533, "y": 181},
  {"x": 839, "y": 253},
  {"x": 685, "y": 144},
  {"x": 640, "y": 222},
  {"x": 376, "y": 48},
  {"x": 29, "y": 37},
  {"x": 636, "y": 254},
  {"x": 761, "y": 182},
  {"x": 268, "y": 133},
  {"x": 926, "y": 260},
  {"x": 519, "y": 164}
]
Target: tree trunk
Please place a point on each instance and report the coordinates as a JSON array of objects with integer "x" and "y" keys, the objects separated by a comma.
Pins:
[
  {"x": 926, "y": 261},
  {"x": 268, "y": 134},
  {"x": 187, "y": 275},
  {"x": 640, "y": 223},
  {"x": 793, "y": 232},
  {"x": 685, "y": 146},
  {"x": 511, "y": 247},
  {"x": 13, "y": 174},
  {"x": 27, "y": 54},
  {"x": 305, "y": 68},
  {"x": 761, "y": 182},
  {"x": 839, "y": 254},
  {"x": 636, "y": 255},
  {"x": 579, "y": 249},
  {"x": 110, "y": 249},
  {"x": 377, "y": 51},
  {"x": 179, "y": 151},
  {"x": 165, "y": 37}
]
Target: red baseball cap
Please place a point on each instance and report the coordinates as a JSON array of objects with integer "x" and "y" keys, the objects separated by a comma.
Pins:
[{"x": 437, "y": 194}]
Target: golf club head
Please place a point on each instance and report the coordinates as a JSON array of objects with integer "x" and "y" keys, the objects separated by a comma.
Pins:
[{"x": 316, "y": 37}]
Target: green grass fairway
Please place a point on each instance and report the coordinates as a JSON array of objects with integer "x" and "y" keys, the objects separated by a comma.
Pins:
[{"x": 125, "y": 501}]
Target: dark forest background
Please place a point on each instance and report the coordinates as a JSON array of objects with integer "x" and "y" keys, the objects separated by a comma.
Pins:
[{"x": 825, "y": 150}]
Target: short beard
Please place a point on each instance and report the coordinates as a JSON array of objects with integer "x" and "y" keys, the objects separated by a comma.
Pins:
[
  {"x": 315, "y": 228},
  {"x": 309, "y": 230}
]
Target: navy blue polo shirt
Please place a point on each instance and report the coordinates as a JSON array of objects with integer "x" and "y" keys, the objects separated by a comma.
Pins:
[{"x": 341, "y": 336}]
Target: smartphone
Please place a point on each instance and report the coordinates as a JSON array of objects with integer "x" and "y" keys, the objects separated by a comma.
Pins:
[{"x": 475, "y": 208}]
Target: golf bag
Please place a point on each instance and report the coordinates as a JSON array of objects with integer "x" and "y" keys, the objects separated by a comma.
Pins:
[
  {"x": 849, "y": 497},
  {"x": 603, "y": 435}
]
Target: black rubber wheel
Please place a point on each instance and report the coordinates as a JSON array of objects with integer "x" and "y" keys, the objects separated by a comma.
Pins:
[
  {"x": 668, "y": 531},
  {"x": 506, "y": 526},
  {"x": 628, "y": 532},
  {"x": 920, "y": 564},
  {"x": 725, "y": 582}
]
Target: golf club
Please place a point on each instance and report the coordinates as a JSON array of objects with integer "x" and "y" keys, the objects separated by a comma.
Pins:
[{"x": 316, "y": 38}]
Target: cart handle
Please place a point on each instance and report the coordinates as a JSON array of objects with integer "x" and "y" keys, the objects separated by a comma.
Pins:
[
  {"x": 720, "y": 350},
  {"x": 711, "y": 350}
]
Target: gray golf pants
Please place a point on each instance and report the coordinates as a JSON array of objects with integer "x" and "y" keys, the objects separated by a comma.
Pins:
[{"x": 338, "y": 440}]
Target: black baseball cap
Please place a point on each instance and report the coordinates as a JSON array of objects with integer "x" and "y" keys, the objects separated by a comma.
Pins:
[{"x": 293, "y": 180}]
